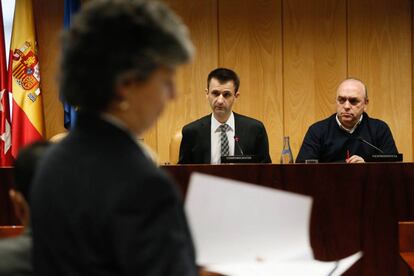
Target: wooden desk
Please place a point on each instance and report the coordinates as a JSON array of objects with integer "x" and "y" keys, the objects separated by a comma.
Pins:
[
  {"x": 408, "y": 258},
  {"x": 11, "y": 231},
  {"x": 356, "y": 207},
  {"x": 406, "y": 243}
]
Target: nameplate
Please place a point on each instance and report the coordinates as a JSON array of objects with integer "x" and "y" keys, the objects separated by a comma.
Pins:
[
  {"x": 386, "y": 158},
  {"x": 239, "y": 159}
]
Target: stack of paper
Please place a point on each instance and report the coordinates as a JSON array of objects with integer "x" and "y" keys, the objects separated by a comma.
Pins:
[{"x": 243, "y": 229}]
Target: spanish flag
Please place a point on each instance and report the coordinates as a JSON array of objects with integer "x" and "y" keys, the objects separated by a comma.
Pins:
[{"x": 24, "y": 79}]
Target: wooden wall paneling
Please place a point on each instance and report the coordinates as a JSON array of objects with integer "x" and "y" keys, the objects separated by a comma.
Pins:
[
  {"x": 49, "y": 22},
  {"x": 150, "y": 138},
  {"x": 296, "y": 47},
  {"x": 201, "y": 19},
  {"x": 314, "y": 49},
  {"x": 380, "y": 54},
  {"x": 250, "y": 43}
]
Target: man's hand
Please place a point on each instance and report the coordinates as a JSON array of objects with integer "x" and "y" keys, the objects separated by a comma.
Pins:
[{"x": 355, "y": 159}]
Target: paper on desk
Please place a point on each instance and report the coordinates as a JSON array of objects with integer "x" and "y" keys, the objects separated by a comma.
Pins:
[
  {"x": 243, "y": 228},
  {"x": 288, "y": 268},
  {"x": 235, "y": 222}
]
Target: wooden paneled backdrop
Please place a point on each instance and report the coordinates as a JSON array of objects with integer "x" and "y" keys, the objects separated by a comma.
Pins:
[{"x": 290, "y": 55}]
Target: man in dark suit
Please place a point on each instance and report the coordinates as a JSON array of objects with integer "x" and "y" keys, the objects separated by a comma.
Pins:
[
  {"x": 15, "y": 253},
  {"x": 223, "y": 132},
  {"x": 99, "y": 205}
]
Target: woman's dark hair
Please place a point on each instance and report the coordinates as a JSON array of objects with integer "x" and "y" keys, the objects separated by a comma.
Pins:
[{"x": 110, "y": 38}]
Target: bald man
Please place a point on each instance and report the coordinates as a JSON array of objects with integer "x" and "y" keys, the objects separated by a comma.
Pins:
[{"x": 344, "y": 136}]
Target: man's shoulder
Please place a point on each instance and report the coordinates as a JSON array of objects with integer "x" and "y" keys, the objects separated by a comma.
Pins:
[
  {"x": 16, "y": 247},
  {"x": 324, "y": 123},
  {"x": 197, "y": 123},
  {"x": 247, "y": 120},
  {"x": 375, "y": 122},
  {"x": 15, "y": 256}
]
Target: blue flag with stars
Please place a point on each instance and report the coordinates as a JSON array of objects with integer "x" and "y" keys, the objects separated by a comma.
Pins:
[{"x": 71, "y": 7}]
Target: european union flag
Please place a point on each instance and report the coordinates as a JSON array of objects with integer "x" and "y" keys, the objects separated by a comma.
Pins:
[{"x": 71, "y": 7}]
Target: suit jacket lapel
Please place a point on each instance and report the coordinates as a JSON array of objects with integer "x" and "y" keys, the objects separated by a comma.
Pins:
[
  {"x": 240, "y": 132},
  {"x": 206, "y": 139}
]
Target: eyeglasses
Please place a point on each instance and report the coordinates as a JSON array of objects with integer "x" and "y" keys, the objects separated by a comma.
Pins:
[{"x": 352, "y": 101}]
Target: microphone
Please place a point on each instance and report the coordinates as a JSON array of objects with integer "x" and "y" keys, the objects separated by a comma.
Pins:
[
  {"x": 369, "y": 144},
  {"x": 236, "y": 141}
]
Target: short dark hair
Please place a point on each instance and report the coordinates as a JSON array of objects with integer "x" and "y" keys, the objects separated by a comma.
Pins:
[
  {"x": 224, "y": 75},
  {"x": 113, "y": 38},
  {"x": 25, "y": 166}
]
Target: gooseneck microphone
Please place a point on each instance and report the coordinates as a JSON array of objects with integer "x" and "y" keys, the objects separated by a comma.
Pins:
[
  {"x": 236, "y": 141},
  {"x": 369, "y": 144}
]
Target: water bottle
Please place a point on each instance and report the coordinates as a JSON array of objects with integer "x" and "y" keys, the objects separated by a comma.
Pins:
[{"x": 287, "y": 156}]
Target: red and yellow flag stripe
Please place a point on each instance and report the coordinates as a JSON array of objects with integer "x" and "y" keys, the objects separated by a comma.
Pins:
[{"x": 24, "y": 79}]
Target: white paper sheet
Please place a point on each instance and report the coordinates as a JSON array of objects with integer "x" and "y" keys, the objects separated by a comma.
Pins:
[
  {"x": 235, "y": 222},
  {"x": 288, "y": 268},
  {"x": 243, "y": 229}
]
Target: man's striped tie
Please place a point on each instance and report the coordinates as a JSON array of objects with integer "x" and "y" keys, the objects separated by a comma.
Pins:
[{"x": 224, "y": 140}]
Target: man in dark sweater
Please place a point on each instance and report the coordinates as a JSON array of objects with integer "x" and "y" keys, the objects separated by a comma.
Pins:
[{"x": 344, "y": 136}]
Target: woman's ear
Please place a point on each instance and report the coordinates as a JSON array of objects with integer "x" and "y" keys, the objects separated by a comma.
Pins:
[{"x": 122, "y": 92}]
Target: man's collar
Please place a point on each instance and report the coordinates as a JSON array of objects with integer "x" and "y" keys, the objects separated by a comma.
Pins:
[
  {"x": 215, "y": 124},
  {"x": 350, "y": 131}
]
